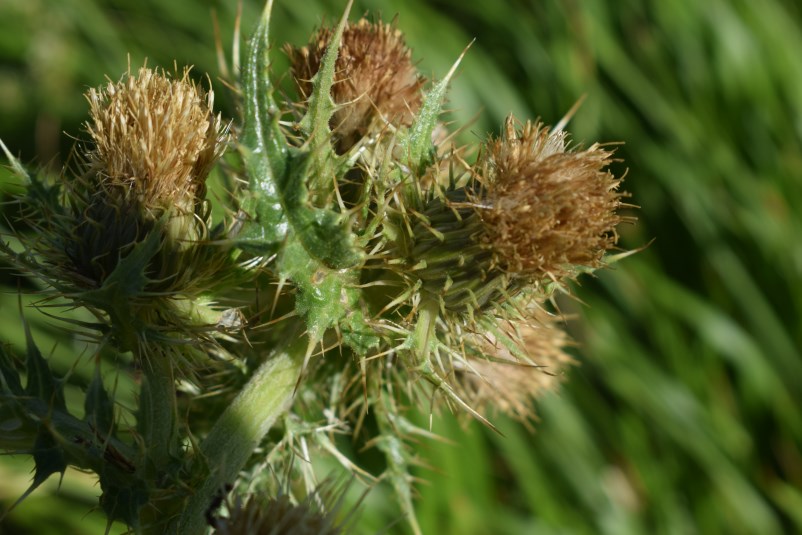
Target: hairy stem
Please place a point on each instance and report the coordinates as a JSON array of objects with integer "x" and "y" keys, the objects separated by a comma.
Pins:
[
  {"x": 241, "y": 427},
  {"x": 158, "y": 412}
]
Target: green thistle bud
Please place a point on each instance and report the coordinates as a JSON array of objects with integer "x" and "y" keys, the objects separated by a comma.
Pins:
[
  {"x": 449, "y": 257},
  {"x": 375, "y": 84}
]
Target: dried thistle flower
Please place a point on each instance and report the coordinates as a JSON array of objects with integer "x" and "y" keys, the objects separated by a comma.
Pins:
[
  {"x": 375, "y": 79},
  {"x": 512, "y": 373},
  {"x": 155, "y": 137},
  {"x": 547, "y": 208},
  {"x": 132, "y": 210},
  {"x": 277, "y": 516}
]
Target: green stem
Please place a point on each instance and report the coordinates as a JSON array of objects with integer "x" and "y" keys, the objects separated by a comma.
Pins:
[
  {"x": 158, "y": 411},
  {"x": 241, "y": 427}
]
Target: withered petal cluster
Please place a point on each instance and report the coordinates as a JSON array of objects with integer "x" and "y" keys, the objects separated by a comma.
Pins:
[
  {"x": 545, "y": 207},
  {"x": 155, "y": 136},
  {"x": 276, "y": 516},
  {"x": 375, "y": 78},
  {"x": 510, "y": 381}
]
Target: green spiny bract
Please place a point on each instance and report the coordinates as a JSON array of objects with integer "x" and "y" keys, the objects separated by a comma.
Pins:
[{"x": 373, "y": 266}]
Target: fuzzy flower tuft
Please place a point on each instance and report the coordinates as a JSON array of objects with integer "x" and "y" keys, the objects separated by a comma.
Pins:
[
  {"x": 155, "y": 137},
  {"x": 545, "y": 207},
  {"x": 509, "y": 376},
  {"x": 375, "y": 79},
  {"x": 277, "y": 516}
]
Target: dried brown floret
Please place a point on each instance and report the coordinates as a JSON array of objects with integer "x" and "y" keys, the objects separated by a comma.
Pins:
[
  {"x": 546, "y": 207},
  {"x": 375, "y": 79},
  {"x": 510, "y": 379},
  {"x": 277, "y": 516},
  {"x": 154, "y": 136}
]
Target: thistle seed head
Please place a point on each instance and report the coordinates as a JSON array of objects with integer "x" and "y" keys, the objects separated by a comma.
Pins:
[
  {"x": 545, "y": 207},
  {"x": 155, "y": 138},
  {"x": 375, "y": 83},
  {"x": 277, "y": 516},
  {"x": 509, "y": 379}
]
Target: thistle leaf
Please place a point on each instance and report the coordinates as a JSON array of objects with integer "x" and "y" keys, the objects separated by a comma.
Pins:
[
  {"x": 98, "y": 406},
  {"x": 418, "y": 142},
  {"x": 49, "y": 459},
  {"x": 399, "y": 463},
  {"x": 319, "y": 111},
  {"x": 9, "y": 377},
  {"x": 263, "y": 147},
  {"x": 320, "y": 107},
  {"x": 16, "y": 166},
  {"x": 323, "y": 233},
  {"x": 41, "y": 382},
  {"x": 123, "y": 501}
]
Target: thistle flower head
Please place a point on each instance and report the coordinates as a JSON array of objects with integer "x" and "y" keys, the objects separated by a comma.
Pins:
[
  {"x": 277, "y": 516},
  {"x": 375, "y": 79},
  {"x": 126, "y": 232},
  {"x": 155, "y": 138},
  {"x": 546, "y": 207},
  {"x": 512, "y": 371}
]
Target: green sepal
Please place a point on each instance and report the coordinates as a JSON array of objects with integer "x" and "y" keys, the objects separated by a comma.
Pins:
[
  {"x": 99, "y": 407},
  {"x": 126, "y": 283}
]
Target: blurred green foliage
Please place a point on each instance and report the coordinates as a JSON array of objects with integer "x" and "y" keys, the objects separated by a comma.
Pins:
[{"x": 683, "y": 416}]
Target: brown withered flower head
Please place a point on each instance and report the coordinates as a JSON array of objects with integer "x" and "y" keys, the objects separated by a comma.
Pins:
[
  {"x": 375, "y": 79},
  {"x": 545, "y": 206},
  {"x": 154, "y": 140},
  {"x": 155, "y": 137},
  {"x": 509, "y": 377},
  {"x": 277, "y": 516}
]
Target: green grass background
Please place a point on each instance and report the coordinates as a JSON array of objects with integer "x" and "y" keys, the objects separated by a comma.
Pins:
[{"x": 683, "y": 416}]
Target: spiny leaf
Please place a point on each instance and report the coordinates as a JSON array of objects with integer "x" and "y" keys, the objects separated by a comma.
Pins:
[
  {"x": 41, "y": 382},
  {"x": 9, "y": 377},
  {"x": 16, "y": 166},
  {"x": 320, "y": 106},
  {"x": 322, "y": 299},
  {"x": 323, "y": 233},
  {"x": 397, "y": 456},
  {"x": 319, "y": 111},
  {"x": 98, "y": 406},
  {"x": 356, "y": 332},
  {"x": 263, "y": 147},
  {"x": 418, "y": 143},
  {"x": 49, "y": 459},
  {"x": 123, "y": 501}
]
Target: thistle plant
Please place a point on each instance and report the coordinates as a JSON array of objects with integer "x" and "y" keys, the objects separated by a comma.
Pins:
[{"x": 366, "y": 265}]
